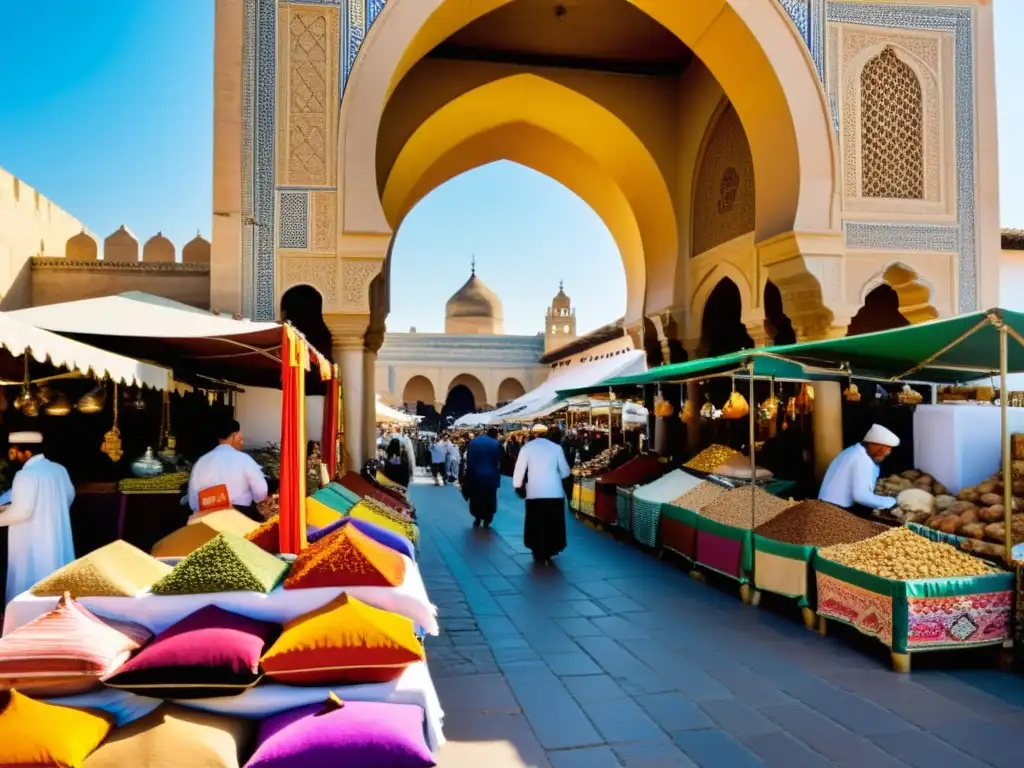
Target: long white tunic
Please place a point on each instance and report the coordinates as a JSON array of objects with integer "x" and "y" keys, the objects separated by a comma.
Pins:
[
  {"x": 851, "y": 479},
  {"x": 542, "y": 464},
  {"x": 39, "y": 522}
]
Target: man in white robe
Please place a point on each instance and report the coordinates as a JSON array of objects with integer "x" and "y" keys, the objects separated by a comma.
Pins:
[
  {"x": 38, "y": 518},
  {"x": 852, "y": 475}
]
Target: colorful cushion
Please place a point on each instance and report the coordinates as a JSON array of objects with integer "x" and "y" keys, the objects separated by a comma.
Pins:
[
  {"x": 227, "y": 563},
  {"x": 356, "y": 733},
  {"x": 322, "y": 510},
  {"x": 116, "y": 570},
  {"x": 385, "y": 518},
  {"x": 174, "y": 736},
  {"x": 211, "y": 652},
  {"x": 343, "y": 492},
  {"x": 360, "y": 485},
  {"x": 184, "y": 541},
  {"x": 347, "y": 558},
  {"x": 346, "y": 641},
  {"x": 376, "y": 532},
  {"x": 36, "y": 733},
  {"x": 65, "y": 651}
]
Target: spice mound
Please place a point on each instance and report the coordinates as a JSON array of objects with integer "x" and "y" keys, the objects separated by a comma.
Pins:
[
  {"x": 901, "y": 554},
  {"x": 700, "y": 496},
  {"x": 711, "y": 458},
  {"x": 819, "y": 524},
  {"x": 733, "y": 508}
]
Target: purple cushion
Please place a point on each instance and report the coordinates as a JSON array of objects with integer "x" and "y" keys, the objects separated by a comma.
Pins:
[
  {"x": 390, "y": 539},
  {"x": 360, "y": 733},
  {"x": 211, "y": 652}
]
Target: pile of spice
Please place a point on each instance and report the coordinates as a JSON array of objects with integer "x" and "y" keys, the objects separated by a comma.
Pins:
[
  {"x": 734, "y": 508},
  {"x": 711, "y": 458},
  {"x": 697, "y": 498},
  {"x": 818, "y": 524},
  {"x": 901, "y": 554}
]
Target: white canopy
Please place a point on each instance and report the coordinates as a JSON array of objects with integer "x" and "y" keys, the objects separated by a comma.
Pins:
[
  {"x": 388, "y": 415},
  {"x": 19, "y": 338},
  {"x": 545, "y": 396}
]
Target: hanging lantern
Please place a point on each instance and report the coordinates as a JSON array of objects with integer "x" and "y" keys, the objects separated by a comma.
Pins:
[
  {"x": 112, "y": 439},
  {"x": 707, "y": 411},
  {"x": 58, "y": 405},
  {"x": 736, "y": 407},
  {"x": 30, "y": 406},
  {"x": 769, "y": 407},
  {"x": 908, "y": 396},
  {"x": 663, "y": 408},
  {"x": 851, "y": 394},
  {"x": 93, "y": 400},
  {"x": 689, "y": 413},
  {"x": 805, "y": 400}
]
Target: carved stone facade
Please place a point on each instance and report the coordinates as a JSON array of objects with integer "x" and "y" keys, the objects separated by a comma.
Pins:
[
  {"x": 356, "y": 275},
  {"x": 723, "y": 206},
  {"x": 320, "y": 272}
]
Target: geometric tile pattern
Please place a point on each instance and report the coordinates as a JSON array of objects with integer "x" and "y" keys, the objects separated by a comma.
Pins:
[
  {"x": 868, "y": 235},
  {"x": 294, "y": 220}
]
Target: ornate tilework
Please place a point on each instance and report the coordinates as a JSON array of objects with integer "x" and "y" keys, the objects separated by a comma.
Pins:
[
  {"x": 958, "y": 21},
  {"x": 867, "y": 611},
  {"x": 294, "y": 220},
  {"x": 808, "y": 16},
  {"x": 902, "y": 237}
]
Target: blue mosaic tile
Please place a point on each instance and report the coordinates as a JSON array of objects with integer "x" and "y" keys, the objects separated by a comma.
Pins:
[{"x": 294, "y": 220}]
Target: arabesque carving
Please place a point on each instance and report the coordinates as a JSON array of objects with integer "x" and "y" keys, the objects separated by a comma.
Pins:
[
  {"x": 325, "y": 213},
  {"x": 723, "y": 205},
  {"x": 892, "y": 129},
  {"x": 356, "y": 276},
  {"x": 320, "y": 272}
]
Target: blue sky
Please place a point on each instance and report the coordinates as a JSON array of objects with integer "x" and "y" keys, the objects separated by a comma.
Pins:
[{"x": 106, "y": 108}]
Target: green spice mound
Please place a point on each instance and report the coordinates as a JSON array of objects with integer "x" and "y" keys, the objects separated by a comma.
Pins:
[{"x": 227, "y": 563}]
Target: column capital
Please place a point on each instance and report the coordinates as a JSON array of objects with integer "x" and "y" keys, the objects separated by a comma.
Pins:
[{"x": 347, "y": 329}]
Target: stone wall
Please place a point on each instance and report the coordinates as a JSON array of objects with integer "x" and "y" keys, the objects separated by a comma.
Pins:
[{"x": 54, "y": 281}]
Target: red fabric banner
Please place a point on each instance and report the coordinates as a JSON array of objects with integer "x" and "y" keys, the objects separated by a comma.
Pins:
[
  {"x": 294, "y": 362},
  {"x": 329, "y": 433}
]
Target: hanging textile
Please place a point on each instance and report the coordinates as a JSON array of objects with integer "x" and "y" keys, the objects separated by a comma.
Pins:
[
  {"x": 294, "y": 363},
  {"x": 329, "y": 432}
]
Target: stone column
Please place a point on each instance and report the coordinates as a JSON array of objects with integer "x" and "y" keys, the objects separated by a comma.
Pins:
[
  {"x": 348, "y": 354},
  {"x": 370, "y": 401},
  {"x": 827, "y": 424}
]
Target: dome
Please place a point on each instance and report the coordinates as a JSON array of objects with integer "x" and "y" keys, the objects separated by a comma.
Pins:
[
  {"x": 561, "y": 301},
  {"x": 474, "y": 309}
]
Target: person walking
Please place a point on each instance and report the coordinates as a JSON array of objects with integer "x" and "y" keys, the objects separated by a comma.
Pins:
[
  {"x": 396, "y": 464},
  {"x": 438, "y": 456},
  {"x": 483, "y": 477},
  {"x": 540, "y": 478}
]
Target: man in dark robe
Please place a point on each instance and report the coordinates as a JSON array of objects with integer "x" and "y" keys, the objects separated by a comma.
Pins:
[{"x": 483, "y": 477}]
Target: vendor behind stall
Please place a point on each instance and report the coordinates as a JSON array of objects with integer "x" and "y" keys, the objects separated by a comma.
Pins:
[
  {"x": 38, "y": 518},
  {"x": 227, "y": 466},
  {"x": 852, "y": 475}
]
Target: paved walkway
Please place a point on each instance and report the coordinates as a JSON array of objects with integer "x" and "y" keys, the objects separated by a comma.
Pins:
[{"x": 613, "y": 658}]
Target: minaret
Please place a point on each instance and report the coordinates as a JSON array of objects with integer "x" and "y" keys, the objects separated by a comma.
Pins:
[{"x": 560, "y": 322}]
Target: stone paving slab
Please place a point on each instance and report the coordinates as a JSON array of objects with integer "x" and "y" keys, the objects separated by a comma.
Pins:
[{"x": 614, "y": 658}]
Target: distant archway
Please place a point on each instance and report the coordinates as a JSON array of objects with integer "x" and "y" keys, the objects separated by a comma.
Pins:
[
  {"x": 881, "y": 311},
  {"x": 471, "y": 383},
  {"x": 510, "y": 389},
  {"x": 776, "y": 323},
  {"x": 722, "y": 329},
  {"x": 418, "y": 389},
  {"x": 460, "y": 402}
]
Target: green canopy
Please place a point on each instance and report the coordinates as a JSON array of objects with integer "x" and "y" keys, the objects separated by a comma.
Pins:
[{"x": 958, "y": 349}]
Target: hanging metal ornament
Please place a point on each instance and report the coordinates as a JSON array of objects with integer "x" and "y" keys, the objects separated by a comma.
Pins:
[
  {"x": 27, "y": 401},
  {"x": 93, "y": 400},
  {"x": 59, "y": 405},
  {"x": 112, "y": 439},
  {"x": 168, "y": 450},
  {"x": 852, "y": 393},
  {"x": 769, "y": 407}
]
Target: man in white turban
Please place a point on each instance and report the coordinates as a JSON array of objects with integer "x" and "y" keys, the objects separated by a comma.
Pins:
[
  {"x": 38, "y": 518},
  {"x": 852, "y": 475}
]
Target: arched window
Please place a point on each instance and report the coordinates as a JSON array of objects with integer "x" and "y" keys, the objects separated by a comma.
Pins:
[{"x": 892, "y": 129}]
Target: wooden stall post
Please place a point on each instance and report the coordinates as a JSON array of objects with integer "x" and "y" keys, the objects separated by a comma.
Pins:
[{"x": 1004, "y": 404}]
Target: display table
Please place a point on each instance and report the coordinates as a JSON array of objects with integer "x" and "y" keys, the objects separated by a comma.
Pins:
[
  {"x": 920, "y": 615},
  {"x": 158, "y": 612},
  {"x": 726, "y": 549},
  {"x": 677, "y": 530},
  {"x": 959, "y": 445},
  {"x": 785, "y": 569}
]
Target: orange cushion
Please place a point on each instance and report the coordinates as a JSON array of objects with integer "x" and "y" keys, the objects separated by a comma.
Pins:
[
  {"x": 347, "y": 558},
  {"x": 36, "y": 733},
  {"x": 346, "y": 641},
  {"x": 65, "y": 651}
]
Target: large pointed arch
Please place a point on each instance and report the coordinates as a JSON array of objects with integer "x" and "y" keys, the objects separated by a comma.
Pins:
[{"x": 751, "y": 48}]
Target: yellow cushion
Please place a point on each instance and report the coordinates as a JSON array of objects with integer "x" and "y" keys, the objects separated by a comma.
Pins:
[
  {"x": 116, "y": 570},
  {"x": 184, "y": 541},
  {"x": 174, "y": 736},
  {"x": 346, "y": 641},
  {"x": 319, "y": 514},
  {"x": 393, "y": 522},
  {"x": 36, "y": 733}
]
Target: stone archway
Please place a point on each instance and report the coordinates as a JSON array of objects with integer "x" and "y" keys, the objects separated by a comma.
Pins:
[
  {"x": 418, "y": 389},
  {"x": 473, "y": 384},
  {"x": 915, "y": 295},
  {"x": 510, "y": 389}
]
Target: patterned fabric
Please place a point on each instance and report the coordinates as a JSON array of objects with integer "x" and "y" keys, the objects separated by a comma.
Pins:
[
  {"x": 65, "y": 652},
  {"x": 346, "y": 641},
  {"x": 386, "y": 519},
  {"x": 623, "y": 504},
  {"x": 391, "y": 539},
  {"x": 116, "y": 570},
  {"x": 347, "y": 558},
  {"x": 646, "y": 521},
  {"x": 868, "y": 612},
  {"x": 35, "y": 733},
  {"x": 959, "y": 622}
]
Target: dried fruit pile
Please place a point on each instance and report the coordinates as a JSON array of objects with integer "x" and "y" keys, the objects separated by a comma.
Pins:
[
  {"x": 711, "y": 458},
  {"x": 734, "y": 508},
  {"x": 818, "y": 524},
  {"x": 902, "y": 555},
  {"x": 697, "y": 498}
]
